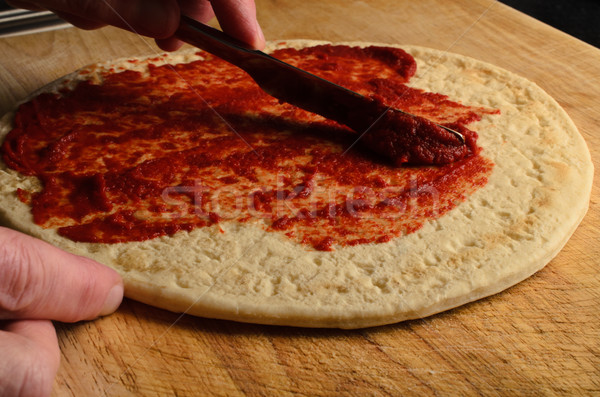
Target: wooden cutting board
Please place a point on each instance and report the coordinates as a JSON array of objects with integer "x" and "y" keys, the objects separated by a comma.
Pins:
[{"x": 539, "y": 337}]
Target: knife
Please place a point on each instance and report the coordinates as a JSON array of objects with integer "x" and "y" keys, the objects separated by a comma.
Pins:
[
  {"x": 291, "y": 84},
  {"x": 14, "y": 22}
]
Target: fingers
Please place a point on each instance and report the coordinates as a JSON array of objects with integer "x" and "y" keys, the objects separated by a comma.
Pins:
[
  {"x": 199, "y": 10},
  {"x": 238, "y": 19},
  {"x": 19, "y": 4},
  {"x": 80, "y": 22},
  {"x": 169, "y": 44},
  {"x": 153, "y": 18},
  {"x": 31, "y": 358},
  {"x": 27, "y": 5},
  {"x": 157, "y": 18},
  {"x": 40, "y": 281}
]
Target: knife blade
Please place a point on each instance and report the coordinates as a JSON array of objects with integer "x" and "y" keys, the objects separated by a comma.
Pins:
[{"x": 291, "y": 84}]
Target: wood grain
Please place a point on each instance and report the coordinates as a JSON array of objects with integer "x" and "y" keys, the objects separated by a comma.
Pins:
[{"x": 540, "y": 337}]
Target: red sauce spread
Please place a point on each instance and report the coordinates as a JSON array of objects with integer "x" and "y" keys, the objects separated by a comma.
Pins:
[{"x": 192, "y": 145}]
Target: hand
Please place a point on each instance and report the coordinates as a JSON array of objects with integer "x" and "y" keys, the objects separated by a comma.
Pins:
[
  {"x": 39, "y": 283},
  {"x": 155, "y": 18}
]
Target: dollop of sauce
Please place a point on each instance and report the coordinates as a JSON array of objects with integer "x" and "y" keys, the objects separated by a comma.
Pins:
[
  {"x": 409, "y": 139},
  {"x": 198, "y": 144}
]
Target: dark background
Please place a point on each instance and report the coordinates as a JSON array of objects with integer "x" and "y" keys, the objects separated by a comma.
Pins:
[{"x": 579, "y": 18}]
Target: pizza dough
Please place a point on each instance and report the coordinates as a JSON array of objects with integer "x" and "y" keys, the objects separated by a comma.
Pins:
[{"x": 535, "y": 197}]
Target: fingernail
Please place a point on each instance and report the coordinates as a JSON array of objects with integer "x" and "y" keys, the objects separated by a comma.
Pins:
[{"x": 113, "y": 300}]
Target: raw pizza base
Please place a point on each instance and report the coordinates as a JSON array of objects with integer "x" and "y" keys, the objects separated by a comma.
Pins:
[{"x": 536, "y": 196}]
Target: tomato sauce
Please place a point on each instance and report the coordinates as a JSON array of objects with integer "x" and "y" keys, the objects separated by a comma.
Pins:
[{"x": 184, "y": 146}]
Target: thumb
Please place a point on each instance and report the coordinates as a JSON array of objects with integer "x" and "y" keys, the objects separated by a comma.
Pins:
[{"x": 40, "y": 281}]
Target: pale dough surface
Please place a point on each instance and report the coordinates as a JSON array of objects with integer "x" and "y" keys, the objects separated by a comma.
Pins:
[{"x": 536, "y": 196}]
